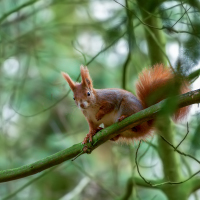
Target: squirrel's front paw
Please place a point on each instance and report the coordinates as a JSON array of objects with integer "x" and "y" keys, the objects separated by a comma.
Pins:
[
  {"x": 88, "y": 136},
  {"x": 98, "y": 117},
  {"x": 85, "y": 140}
]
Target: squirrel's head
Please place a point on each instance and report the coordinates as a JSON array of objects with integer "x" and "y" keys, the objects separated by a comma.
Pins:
[{"x": 84, "y": 94}]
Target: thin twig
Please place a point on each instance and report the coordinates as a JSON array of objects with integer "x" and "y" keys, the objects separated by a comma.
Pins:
[
  {"x": 161, "y": 49},
  {"x": 180, "y": 152},
  {"x": 145, "y": 152},
  {"x": 176, "y": 183},
  {"x": 163, "y": 183},
  {"x": 188, "y": 16},
  {"x": 125, "y": 69},
  {"x": 48, "y": 108},
  {"x": 78, "y": 155},
  {"x": 159, "y": 28},
  {"x": 171, "y": 29},
  {"x": 130, "y": 38},
  {"x": 183, "y": 138},
  {"x": 180, "y": 17},
  {"x": 62, "y": 98},
  {"x": 149, "y": 183},
  {"x": 16, "y": 9}
]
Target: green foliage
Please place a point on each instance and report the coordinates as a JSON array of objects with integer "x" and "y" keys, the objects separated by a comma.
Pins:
[{"x": 38, "y": 40}]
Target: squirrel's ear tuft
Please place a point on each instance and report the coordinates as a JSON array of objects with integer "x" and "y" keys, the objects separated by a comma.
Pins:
[
  {"x": 69, "y": 80},
  {"x": 86, "y": 80},
  {"x": 82, "y": 69}
]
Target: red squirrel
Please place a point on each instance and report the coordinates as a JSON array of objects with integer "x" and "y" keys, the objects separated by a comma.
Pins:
[{"x": 112, "y": 105}]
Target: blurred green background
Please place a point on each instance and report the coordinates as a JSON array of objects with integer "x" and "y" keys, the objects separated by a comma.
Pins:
[{"x": 38, "y": 117}]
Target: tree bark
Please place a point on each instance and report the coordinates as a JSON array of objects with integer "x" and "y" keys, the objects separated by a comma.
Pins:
[{"x": 170, "y": 159}]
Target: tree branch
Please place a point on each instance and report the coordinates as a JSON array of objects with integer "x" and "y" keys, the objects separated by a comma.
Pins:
[
  {"x": 140, "y": 182},
  {"x": 161, "y": 183},
  {"x": 180, "y": 152},
  {"x": 101, "y": 137}
]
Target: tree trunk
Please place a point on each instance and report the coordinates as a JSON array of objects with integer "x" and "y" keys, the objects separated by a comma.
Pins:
[{"x": 170, "y": 159}]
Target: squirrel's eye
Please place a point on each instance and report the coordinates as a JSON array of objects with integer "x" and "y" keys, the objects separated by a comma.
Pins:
[
  {"x": 73, "y": 98},
  {"x": 88, "y": 93}
]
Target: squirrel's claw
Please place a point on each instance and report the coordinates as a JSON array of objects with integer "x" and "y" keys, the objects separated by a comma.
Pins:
[
  {"x": 85, "y": 139},
  {"x": 90, "y": 135},
  {"x": 90, "y": 140}
]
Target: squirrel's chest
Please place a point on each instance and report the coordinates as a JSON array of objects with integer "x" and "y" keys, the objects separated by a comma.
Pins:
[{"x": 107, "y": 119}]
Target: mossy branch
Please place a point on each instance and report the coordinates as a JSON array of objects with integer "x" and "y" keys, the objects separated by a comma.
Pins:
[{"x": 101, "y": 137}]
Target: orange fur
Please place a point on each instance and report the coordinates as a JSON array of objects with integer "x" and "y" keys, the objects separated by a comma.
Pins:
[
  {"x": 69, "y": 80},
  {"x": 86, "y": 80},
  {"x": 109, "y": 106},
  {"x": 153, "y": 80}
]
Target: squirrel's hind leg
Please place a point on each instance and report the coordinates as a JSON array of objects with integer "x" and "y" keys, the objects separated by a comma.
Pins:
[
  {"x": 126, "y": 134},
  {"x": 119, "y": 120}
]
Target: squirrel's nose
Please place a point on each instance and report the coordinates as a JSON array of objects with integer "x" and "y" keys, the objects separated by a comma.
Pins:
[{"x": 82, "y": 105}]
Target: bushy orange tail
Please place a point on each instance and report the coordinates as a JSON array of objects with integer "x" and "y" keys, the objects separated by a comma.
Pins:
[{"x": 156, "y": 84}]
